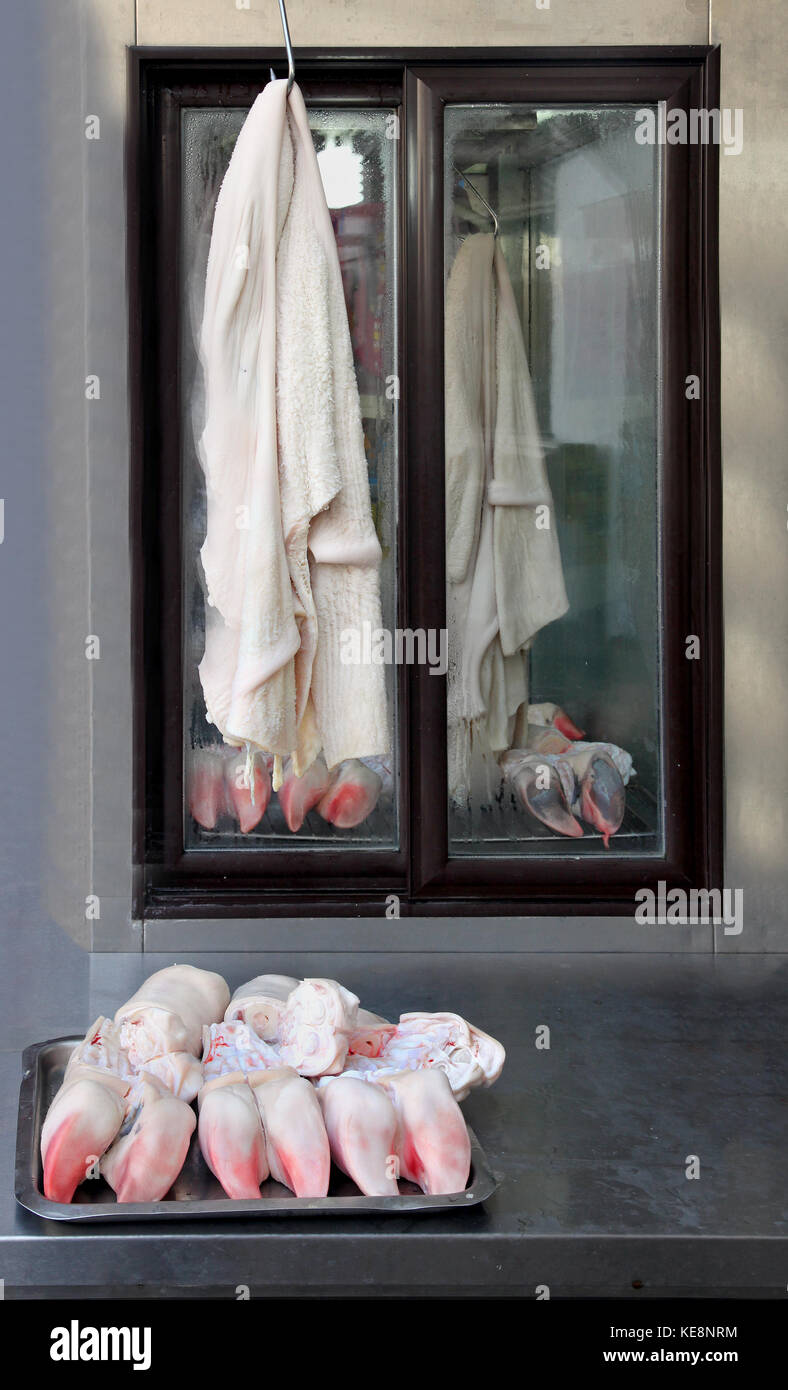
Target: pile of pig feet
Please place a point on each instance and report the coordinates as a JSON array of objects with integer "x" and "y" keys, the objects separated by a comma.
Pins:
[
  {"x": 288, "y": 1076},
  {"x": 224, "y": 782},
  {"x": 558, "y": 777}
]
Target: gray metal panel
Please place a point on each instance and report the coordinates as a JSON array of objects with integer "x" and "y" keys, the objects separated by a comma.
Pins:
[
  {"x": 87, "y": 480},
  {"x": 24, "y": 615},
  {"x": 753, "y": 232},
  {"x": 453, "y": 934},
  {"x": 44, "y": 982}
]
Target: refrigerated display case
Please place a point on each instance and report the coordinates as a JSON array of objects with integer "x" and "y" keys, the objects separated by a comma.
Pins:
[{"x": 565, "y": 449}]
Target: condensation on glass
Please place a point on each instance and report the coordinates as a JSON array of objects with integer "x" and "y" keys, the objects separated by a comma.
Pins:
[
  {"x": 358, "y": 166},
  {"x": 578, "y": 203}
]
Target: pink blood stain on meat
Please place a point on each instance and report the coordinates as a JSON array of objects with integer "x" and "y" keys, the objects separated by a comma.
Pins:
[
  {"x": 370, "y": 1042},
  {"x": 411, "y": 1162},
  {"x": 65, "y": 1165},
  {"x": 567, "y": 726},
  {"x": 241, "y": 1181},
  {"x": 305, "y": 1176},
  {"x": 346, "y": 807},
  {"x": 352, "y": 796}
]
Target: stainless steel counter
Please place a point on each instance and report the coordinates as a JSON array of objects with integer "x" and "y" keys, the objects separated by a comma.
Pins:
[{"x": 652, "y": 1059}]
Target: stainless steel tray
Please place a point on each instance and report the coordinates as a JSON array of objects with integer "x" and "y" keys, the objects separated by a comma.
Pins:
[{"x": 196, "y": 1193}]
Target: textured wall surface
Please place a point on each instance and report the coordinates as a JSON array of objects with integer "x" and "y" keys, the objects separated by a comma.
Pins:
[
  {"x": 753, "y": 237},
  {"x": 89, "y": 727},
  {"x": 355, "y": 22},
  {"x": 69, "y": 735}
]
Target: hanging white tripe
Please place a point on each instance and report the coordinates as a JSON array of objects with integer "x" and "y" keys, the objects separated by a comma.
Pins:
[
  {"x": 503, "y": 564},
  {"x": 283, "y": 446}
]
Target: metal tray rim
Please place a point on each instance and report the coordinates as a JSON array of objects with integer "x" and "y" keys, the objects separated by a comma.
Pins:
[{"x": 483, "y": 1181}]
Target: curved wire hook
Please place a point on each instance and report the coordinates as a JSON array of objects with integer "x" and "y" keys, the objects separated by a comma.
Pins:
[
  {"x": 288, "y": 50},
  {"x": 482, "y": 199}
]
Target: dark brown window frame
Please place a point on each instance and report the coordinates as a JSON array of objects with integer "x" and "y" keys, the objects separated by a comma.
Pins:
[{"x": 171, "y": 882}]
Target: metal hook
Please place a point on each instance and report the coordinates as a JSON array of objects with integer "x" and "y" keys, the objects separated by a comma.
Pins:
[
  {"x": 482, "y": 199},
  {"x": 288, "y": 50}
]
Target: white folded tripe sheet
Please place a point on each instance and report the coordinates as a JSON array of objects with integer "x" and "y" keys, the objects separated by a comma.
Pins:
[
  {"x": 503, "y": 563},
  {"x": 291, "y": 557}
]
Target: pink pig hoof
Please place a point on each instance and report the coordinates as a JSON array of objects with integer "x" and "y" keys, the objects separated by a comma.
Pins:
[
  {"x": 82, "y": 1122},
  {"x": 299, "y": 795},
  {"x": 231, "y": 1136},
  {"x": 361, "y": 1124},
  {"x": 206, "y": 787},
  {"x": 434, "y": 1148},
  {"x": 296, "y": 1141},
  {"x": 248, "y": 812},
  {"x": 151, "y": 1149}
]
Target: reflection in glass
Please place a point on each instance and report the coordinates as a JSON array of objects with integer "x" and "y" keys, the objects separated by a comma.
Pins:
[
  {"x": 552, "y": 410},
  {"x": 358, "y": 168}
]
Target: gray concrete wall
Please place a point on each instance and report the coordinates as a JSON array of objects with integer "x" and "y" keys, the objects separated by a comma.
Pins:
[
  {"x": 66, "y": 731},
  {"x": 753, "y": 237}
]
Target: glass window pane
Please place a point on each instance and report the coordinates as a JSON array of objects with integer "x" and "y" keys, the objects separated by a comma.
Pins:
[
  {"x": 552, "y": 481},
  {"x": 358, "y": 167}
]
